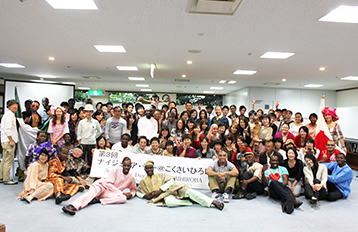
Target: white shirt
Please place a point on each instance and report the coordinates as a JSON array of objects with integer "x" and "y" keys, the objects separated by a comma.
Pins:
[
  {"x": 118, "y": 147},
  {"x": 147, "y": 127},
  {"x": 115, "y": 128},
  {"x": 88, "y": 131},
  {"x": 8, "y": 127}
]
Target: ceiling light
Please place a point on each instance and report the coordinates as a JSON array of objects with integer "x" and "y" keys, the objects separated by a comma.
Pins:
[
  {"x": 342, "y": 14},
  {"x": 313, "y": 86},
  {"x": 46, "y": 76},
  {"x": 69, "y": 83},
  {"x": 152, "y": 68},
  {"x": 350, "y": 78},
  {"x": 217, "y": 88},
  {"x": 231, "y": 82},
  {"x": 277, "y": 55},
  {"x": 322, "y": 68},
  {"x": 146, "y": 90},
  {"x": 136, "y": 78},
  {"x": 284, "y": 80},
  {"x": 73, "y": 4},
  {"x": 245, "y": 72},
  {"x": 209, "y": 92},
  {"x": 142, "y": 85},
  {"x": 12, "y": 65},
  {"x": 222, "y": 81},
  {"x": 84, "y": 88},
  {"x": 51, "y": 58},
  {"x": 189, "y": 62},
  {"x": 183, "y": 75},
  {"x": 110, "y": 48},
  {"x": 127, "y": 68}
]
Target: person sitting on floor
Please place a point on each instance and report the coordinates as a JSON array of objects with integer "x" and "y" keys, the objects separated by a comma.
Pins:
[
  {"x": 222, "y": 175},
  {"x": 107, "y": 190},
  {"x": 276, "y": 178},
  {"x": 161, "y": 189},
  {"x": 251, "y": 184},
  {"x": 338, "y": 184},
  {"x": 57, "y": 167},
  {"x": 315, "y": 179},
  {"x": 34, "y": 185}
]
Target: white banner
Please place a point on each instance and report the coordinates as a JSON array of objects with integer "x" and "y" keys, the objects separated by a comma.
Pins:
[{"x": 190, "y": 172}]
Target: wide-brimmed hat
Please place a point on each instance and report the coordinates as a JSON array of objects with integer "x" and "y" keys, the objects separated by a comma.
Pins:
[
  {"x": 330, "y": 111},
  {"x": 88, "y": 107}
]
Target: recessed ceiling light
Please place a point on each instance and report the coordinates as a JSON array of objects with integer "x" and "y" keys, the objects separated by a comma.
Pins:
[
  {"x": 231, "y": 82},
  {"x": 136, "y": 78},
  {"x": 84, "y": 88},
  {"x": 142, "y": 85},
  {"x": 313, "y": 86},
  {"x": 350, "y": 78},
  {"x": 73, "y": 4},
  {"x": 51, "y": 58},
  {"x": 322, "y": 68},
  {"x": 342, "y": 14},
  {"x": 46, "y": 76},
  {"x": 69, "y": 83},
  {"x": 110, "y": 48},
  {"x": 43, "y": 81},
  {"x": 217, "y": 88},
  {"x": 12, "y": 65},
  {"x": 277, "y": 55},
  {"x": 245, "y": 72},
  {"x": 222, "y": 81},
  {"x": 284, "y": 80},
  {"x": 146, "y": 90},
  {"x": 209, "y": 92},
  {"x": 183, "y": 75},
  {"x": 189, "y": 62},
  {"x": 127, "y": 68}
]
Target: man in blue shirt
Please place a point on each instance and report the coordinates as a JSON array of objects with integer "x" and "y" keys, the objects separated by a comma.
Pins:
[
  {"x": 339, "y": 181},
  {"x": 276, "y": 177}
]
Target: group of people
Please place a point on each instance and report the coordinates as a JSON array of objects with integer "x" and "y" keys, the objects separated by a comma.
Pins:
[{"x": 262, "y": 153}]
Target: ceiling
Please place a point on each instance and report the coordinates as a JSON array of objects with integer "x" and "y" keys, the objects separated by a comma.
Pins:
[{"x": 161, "y": 32}]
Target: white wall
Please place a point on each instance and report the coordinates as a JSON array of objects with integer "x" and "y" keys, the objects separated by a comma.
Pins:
[
  {"x": 347, "y": 98},
  {"x": 297, "y": 100}
]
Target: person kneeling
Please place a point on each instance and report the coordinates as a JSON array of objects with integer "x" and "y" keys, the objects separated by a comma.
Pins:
[
  {"x": 107, "y": 190},
  {"x": 162, "y": 190},
  {"x": 222, "y": 175},
  {"x": 276, "y": 177}
]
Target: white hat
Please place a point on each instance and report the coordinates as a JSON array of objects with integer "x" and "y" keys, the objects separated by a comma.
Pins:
[{"x": 88, "y": 107}]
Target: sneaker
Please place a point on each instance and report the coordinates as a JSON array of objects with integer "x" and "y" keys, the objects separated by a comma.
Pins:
[
  {"x": 215, "y": 196},
  {"x": 297, "y": 204},
  {"x": 251, "y": 196},
  {"x": 10, "y": 182},
  {"x": 290, "y": 204},
  {"x": 226, "y": 197}
]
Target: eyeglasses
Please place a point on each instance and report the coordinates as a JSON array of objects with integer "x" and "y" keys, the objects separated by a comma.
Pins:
[{"x": 330, "y": 145}]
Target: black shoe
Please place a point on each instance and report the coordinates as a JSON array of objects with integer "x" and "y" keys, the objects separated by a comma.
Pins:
[
  {"x": 250, "y": 196},
  {"x": 94, "y": 201},
  {"x": 62, "y": 197},
  {"x": 69, "y": 209},
  {"x": 239, "y": 195},
  {"x": 297, "y": 204},
  {"x": 21, "y": 179},
  {"x": 1, "y": 181},
  {"x": 314, "y": 202},
  {"x": 81, "y": 188},
  {"x": 290, "y": 204}
]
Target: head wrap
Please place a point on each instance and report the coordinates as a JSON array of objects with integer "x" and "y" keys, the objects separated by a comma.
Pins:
[
  {"x": 149, "y": 163},
  {"x": 47, "y": 145},
  {"x": 330, "y": 111}
]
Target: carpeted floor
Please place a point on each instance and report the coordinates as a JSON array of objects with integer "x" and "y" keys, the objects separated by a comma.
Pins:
[{"x": 260, "y": 214}]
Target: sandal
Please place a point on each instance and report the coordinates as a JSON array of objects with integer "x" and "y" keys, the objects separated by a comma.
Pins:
[{"x": 219, "y": 205}]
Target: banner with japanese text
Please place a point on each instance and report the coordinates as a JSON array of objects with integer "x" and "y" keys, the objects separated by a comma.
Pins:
[{"x": 190, "y": 172}]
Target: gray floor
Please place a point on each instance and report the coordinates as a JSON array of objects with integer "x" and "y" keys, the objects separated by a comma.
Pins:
[{"x": 260, "y": 214}]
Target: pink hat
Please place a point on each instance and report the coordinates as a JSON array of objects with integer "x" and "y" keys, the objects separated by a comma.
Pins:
[
  {"x": 330, "y": 111},
  {"x": 53, "y": 109}
]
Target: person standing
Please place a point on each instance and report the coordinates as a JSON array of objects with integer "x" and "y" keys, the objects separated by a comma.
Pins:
[
  {"x": 115, "y": 127},
  {"x": 88, "y": 131},
  {"x": 9, "y": 137}
]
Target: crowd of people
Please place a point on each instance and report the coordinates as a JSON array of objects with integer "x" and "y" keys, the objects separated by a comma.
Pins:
[{"x": 252, "y": 154}]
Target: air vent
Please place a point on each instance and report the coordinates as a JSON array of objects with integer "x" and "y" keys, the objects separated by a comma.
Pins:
[
  {"x": 181, "y": 80},
  {"x": 91, "y": 77},
  {"x": 271, "y": 83},
  {"x": 225, "y": 7}
]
